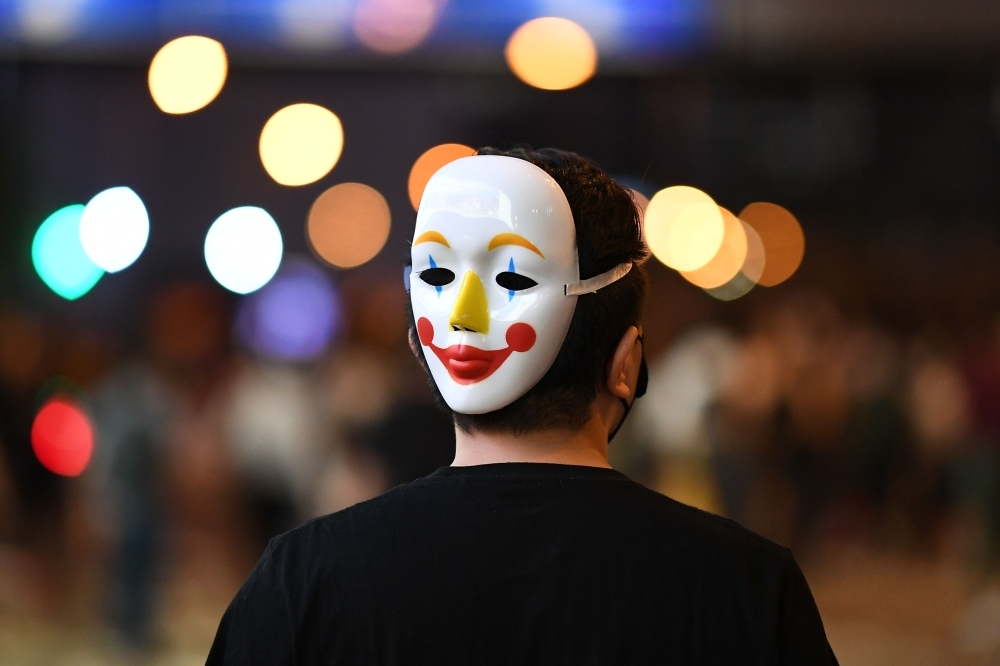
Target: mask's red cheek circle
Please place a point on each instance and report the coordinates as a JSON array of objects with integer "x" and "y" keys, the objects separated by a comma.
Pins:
[
  {"x": 425, "y": 331},
  {"x": 520, "y": 337}
]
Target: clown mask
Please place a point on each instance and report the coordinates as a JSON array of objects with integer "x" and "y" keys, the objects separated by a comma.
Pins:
[{"x": 495, "y": 279}]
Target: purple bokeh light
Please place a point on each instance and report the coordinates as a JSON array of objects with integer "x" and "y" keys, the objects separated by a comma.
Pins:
[{"x": 294, "y": 317}]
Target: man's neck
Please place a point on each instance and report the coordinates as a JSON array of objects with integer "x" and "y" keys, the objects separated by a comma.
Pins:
[{"x": 587, "y": 446}]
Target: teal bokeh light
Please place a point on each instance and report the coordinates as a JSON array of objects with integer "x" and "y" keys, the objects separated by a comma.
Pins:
[{"x": 59, "y": 257}]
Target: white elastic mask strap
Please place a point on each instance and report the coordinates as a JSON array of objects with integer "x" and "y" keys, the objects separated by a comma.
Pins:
[{"x": 601, "y": 281}]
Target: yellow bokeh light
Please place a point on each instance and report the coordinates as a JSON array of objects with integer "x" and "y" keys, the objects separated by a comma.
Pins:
[
  {"x": 551, "y": 53},
  {"x": 727, "y": 262},
  {"x": 187, "y": 73},
  {"x": 428, "y": 164},
  {"x": 748, "y": 275},
  {"x": 684, "y": 227},
  {"x": 783, "y": 238},
  {"x": 301, "y": 143},
  {"x": 348, "y": 224}
]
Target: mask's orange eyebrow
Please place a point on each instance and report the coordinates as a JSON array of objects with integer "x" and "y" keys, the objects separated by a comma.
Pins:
[
  {"x": 513, "y": 239},
  {"x": 432, "y": 237}
]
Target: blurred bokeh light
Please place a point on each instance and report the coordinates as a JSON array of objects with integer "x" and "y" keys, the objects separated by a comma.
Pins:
[
  {"x": 551, "y": 53},
  {"x": 749, "y": 274},
  {"x": 294, "y": 316},
  {"x": 428, "y": 163},
  {"x": 114, "y": 228},
  {"x": 50, "y": 22},
  {"x": 301, "y": 143},
  {"x": 243, "y": 249},
  {"x": 395, "y": 26},
  {"x": 62, "y": 437},
  {"x": 187, "y": 73},
  {"x": 59, "y": 257},
  {"x": 783, "y": 238},
  {"x": 314, "y": 24},
  {"x": 684, "y": 227},
  {"x": 727, "y": 262},
  {"x": 348, "y": 224}
]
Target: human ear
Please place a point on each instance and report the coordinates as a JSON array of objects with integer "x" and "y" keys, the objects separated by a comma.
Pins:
[{"x": 623, "y": 371}]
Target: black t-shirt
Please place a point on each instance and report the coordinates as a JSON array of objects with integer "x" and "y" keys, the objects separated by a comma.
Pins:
[{"x": 521, "y": 563}]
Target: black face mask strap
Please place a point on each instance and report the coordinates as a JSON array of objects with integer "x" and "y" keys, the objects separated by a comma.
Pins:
[{"x": 640, "y": 390}]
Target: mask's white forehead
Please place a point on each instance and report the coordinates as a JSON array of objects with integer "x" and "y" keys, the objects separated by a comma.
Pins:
[
  {"x": 466, "y": 198},
  {"x": 513, "y": 192}
]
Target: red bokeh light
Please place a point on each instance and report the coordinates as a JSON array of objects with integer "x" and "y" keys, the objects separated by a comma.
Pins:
[{"x": 62, "y": 437}]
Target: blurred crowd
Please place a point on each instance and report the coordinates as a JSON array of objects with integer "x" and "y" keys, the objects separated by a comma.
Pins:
[
  {"x": 820, "y": 431},
  {"x": 816, "y": 429},
  {"x": 203, "y": 452}
]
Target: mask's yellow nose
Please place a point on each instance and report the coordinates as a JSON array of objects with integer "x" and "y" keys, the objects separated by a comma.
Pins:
[{"x": 471, "y": 310}]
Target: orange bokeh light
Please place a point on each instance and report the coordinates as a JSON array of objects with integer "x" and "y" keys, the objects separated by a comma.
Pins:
[
  {"x": 551, "y": 53},
  {"x": 348, "y": 224},
  {"x": 748, "y": 275},
  {"x": 428, "y": 163},
  {"x": 783, "y": 239}
]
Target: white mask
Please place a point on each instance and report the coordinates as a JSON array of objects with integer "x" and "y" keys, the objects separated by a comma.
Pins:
[{"x": 495, "y": 279}]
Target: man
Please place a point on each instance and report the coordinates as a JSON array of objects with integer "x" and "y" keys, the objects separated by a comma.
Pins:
[{"x": 526, "y": 290}]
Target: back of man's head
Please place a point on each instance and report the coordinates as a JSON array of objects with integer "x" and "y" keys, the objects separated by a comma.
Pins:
[{"x": 608, "y": 234}]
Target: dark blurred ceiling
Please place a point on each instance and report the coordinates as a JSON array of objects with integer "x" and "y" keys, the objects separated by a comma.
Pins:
[
  {"x": 852, "y": 31},
  {"x": 632, "y": 35}
]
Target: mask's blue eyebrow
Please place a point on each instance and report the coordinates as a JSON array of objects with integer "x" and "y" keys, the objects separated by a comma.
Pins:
[
  {"x": 510, "y": 292},
  {"x": 434, "y": 265}
]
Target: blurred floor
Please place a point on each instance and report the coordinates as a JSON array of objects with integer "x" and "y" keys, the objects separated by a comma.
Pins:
[
  {"x": 198, "y": 588},
  {"x": 892, "y": 610}
]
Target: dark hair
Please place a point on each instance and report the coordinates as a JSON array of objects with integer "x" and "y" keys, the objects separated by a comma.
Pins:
[{"x": 608, "y": 233}]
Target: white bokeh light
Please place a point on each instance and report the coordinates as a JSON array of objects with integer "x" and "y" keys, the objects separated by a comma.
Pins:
[
  {"x": 48, "y": 22},
  {"x": 315, "y": 24},
  {"x": 243, "y": 249},
  {"x": 114, "y": 228}
]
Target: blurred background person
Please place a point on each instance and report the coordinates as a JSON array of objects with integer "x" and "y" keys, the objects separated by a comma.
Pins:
[{"x": 140, "y": 411}]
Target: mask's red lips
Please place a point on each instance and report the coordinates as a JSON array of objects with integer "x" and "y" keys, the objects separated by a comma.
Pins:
[{"x": 467, "y": 364}]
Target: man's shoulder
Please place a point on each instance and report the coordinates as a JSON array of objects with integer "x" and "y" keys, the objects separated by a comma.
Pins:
[
  {"x": 375, "y": 524},
  {"x": 703, "y": 528},
  {"x": 331, "y": 533}
]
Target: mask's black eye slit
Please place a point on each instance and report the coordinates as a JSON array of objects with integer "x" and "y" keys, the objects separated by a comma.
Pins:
[
  {"x": 437, "y": 277},
  {"x": 515, "y": 281}
]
